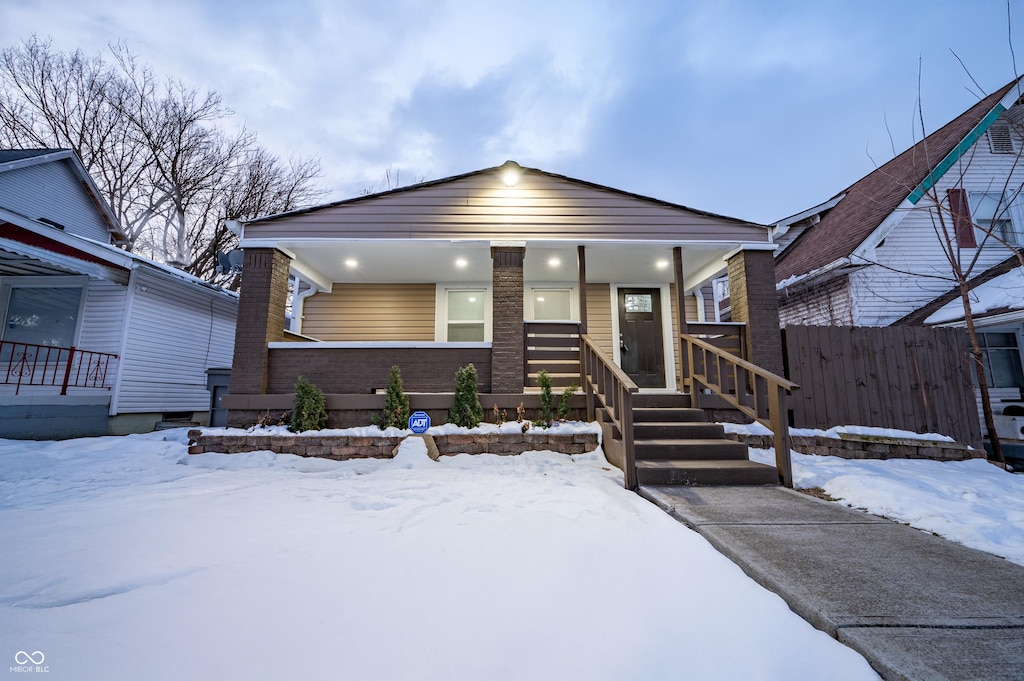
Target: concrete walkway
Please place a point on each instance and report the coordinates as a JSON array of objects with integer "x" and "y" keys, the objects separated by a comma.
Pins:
[{"x": 916, "y": 606}]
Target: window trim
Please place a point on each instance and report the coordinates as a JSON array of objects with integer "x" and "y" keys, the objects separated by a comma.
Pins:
[
  {"x": 1011, "y": 213},
  {"x": 529, "y": 304},
  {"x": 441, "y": 309},
  {"x": 8, "y": 284},
  {"x": 1018, "y": 333}
]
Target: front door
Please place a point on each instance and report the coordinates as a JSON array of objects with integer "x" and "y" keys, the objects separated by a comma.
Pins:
[{"x": 641, "y": 352}]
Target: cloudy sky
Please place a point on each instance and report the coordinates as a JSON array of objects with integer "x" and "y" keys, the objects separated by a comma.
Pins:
[{"x": 749, "y": 108}]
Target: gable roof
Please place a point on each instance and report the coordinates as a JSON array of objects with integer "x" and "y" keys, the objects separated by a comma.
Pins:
[
  {"x": 13, "y": 159},
  {"x": 494, "y": 169},
  {"x": 918, "y": 316},
  {"x": 870, "y": 200}
]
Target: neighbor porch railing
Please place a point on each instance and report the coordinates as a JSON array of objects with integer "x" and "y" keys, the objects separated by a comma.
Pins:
[
  {"x": 756, "y": 392},
  {"x": 609, "y": 385},
  {"x": 27, "y": 364}
]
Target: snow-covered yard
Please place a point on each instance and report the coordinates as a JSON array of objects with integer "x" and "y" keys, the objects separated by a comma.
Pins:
[{"x": 125, "y": 558}]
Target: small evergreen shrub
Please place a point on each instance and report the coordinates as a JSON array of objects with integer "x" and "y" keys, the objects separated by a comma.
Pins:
[
  {"x": 563, "y": 404},
  {"x": 396, "y": 403},
  {"x": 547, "y": 411},
  {"x": 310, "y": 411},
  {"x": 467, "y": 410}
]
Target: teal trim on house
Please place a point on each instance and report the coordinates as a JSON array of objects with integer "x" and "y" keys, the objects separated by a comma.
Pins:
[{"x": 955, "y": 155}]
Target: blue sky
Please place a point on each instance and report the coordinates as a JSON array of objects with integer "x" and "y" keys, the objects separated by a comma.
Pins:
[{"x": 752, "y": 109}]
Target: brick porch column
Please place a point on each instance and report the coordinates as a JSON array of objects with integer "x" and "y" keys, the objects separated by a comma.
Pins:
[
  {"x": 755, "y": 302},
  {"x": 507, "y": 352},
  {"x": 261, "y": 304}
]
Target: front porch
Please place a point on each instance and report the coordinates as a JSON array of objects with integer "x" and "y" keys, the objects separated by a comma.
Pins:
[{"x": 513, "y": 279}]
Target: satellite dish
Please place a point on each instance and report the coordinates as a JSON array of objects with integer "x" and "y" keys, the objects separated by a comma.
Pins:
[{"x": 235, "y": 258}]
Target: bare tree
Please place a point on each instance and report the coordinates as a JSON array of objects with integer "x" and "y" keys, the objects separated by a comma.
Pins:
[{"x": 159, "y": 149}]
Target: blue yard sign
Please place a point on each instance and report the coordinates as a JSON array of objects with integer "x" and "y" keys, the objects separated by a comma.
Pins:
[{"x": 419, "y": 422}]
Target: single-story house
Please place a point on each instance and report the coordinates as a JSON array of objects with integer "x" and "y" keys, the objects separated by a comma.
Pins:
[
  {"x": 96, "y": 340},
  {"x": 508, "y": 268}
]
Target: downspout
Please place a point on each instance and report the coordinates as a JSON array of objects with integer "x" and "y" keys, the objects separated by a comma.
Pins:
[{"x": 297, "y": 302}]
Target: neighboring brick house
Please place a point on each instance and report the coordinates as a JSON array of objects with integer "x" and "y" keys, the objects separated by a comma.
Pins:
[{"x": 503, "y": 267}]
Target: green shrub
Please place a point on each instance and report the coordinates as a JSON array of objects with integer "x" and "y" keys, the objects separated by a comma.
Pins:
[
  {"x": 563, "y": 404},
  {"x": 547, "y": 411},
  {"x": 396, "y": 403},
  {"x": 310, "y": 411},
  {"x": 467, "y": 410}
]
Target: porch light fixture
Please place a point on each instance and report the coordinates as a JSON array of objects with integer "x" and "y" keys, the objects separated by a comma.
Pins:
[
  {"x": 351, "y": 263},
  {"x": 510, "y": 172},
  {"x": 461, "y": 262},
  {"x": 661, "y": 264},
  {"x": 554, "y": 262}
]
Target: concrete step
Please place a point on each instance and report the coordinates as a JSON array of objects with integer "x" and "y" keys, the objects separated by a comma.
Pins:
[
  {"x": 705, "y": 473},
  {"x": 670, "y": 430},
  {"x": 690, "y": 450},
  {"x": 666, "y": 414}
]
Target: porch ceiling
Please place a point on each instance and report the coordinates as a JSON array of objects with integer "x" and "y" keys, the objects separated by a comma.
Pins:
[{"x": 546, "y": 261}]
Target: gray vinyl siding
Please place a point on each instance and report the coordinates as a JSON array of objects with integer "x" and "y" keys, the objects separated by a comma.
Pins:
[
  {"x": 371, "y": 312},
  {"x": 480, "y": 206},
  {"x": 177, "y": 331},
  {"x": 103, "y": 317},
  {"x": 53, "y": 191}
]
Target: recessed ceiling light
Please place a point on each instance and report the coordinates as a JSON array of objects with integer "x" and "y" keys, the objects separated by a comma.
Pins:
[
  {"x": 472, "y": 299},
  {"x": 554, "y": 262},
  {"x": 351, "y": 262},
  {"x": 540, "y": 299},
  {"x": 661, "y": 264},
  {"x": 461, "y": 262}
]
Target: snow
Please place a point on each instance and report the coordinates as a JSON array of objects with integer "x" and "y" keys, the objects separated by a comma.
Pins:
[
  {"x": 127, "y": 558},
  {"x": 971, "y": 502},
  {"x": 559, "y": 428},
  {"x": 837, "y": 432},
  {"x": 1005, "y": 291}
]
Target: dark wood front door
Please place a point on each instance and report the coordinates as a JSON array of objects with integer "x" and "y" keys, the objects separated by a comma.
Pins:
[{"x": 641, "y": 352}]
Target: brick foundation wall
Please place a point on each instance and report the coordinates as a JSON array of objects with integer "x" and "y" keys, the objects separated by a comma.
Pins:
[
  {"x": 261, "y": 307},
  {"x": 343, "y": 447},
  {"x": 364, "y": 370},
  {"x": 755, "y": 302},
  {"x": 507, "y": 355}
]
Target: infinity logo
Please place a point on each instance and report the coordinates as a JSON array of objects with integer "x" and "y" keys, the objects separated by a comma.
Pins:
[{"x": 21, "y": 657}]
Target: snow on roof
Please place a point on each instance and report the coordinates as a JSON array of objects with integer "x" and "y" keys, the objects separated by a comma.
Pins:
[{"x": 1004, "y": 293}]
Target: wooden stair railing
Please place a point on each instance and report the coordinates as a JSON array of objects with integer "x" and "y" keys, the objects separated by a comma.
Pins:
[
  {"x": 756, "y": 392},
  {"x": 607, "y": 384}
]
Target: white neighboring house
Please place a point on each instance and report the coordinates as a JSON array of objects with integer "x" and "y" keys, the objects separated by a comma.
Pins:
[
  {"x": 95, "y": 339},
  {"x": 871, "y": 255}
]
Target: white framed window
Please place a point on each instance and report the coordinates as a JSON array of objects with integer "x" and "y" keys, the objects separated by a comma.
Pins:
[
  {"x": 463, "y": 314},
  {"x": 42, "y": 310},
  {"x": 994, "y": 214},
  {"x": 551, "y": 303}
]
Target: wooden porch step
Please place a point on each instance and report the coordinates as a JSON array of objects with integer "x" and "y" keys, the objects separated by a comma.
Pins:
[
  {"x": 705, "y": 473},
  {"x": 690, "y": 450},
  {"x": 661, "y": 400},
  {"x": 674, "y": 430},
  {"x": 668, "y": 415}
]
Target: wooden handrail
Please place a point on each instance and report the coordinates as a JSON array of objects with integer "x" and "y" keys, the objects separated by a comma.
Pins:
[
  {"x": 756, "y": 392},
  {"x": 614, "y": 389}
]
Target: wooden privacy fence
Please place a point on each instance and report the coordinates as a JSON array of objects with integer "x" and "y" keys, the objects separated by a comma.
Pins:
[{"x": 905, "y": 377}]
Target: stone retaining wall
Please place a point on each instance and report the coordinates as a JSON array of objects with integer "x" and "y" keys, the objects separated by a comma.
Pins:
[
  {"x": 342, "y": 447},
  {"x": 867, "y": 447}
]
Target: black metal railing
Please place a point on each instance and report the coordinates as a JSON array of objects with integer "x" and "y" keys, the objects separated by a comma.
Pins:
[{"x": 28, "y": 364}]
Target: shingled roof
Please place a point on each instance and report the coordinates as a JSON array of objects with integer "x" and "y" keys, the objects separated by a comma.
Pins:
[{"x": 871, "y": 199}]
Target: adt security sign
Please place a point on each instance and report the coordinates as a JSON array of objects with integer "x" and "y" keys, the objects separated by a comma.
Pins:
[{"x": 419, "y": 422}]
